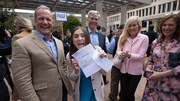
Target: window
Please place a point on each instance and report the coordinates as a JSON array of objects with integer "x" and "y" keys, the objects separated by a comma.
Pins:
[
  {"x": 144, "y": 23},
  {"x": 174, "y": 5},
  {"x": 139, "y": 13},
  {"x": 169, "y": 7},
  {"x": 159, "y": 8},
  {"x": 179, "y": 5},
  {"x": 136, "y": 13},
  {"x": 150, "y": 22},
  {"x": 117, "y": 25},
  {"x": 164, "y": 8},
  {"x": 143, "y": 12},
  {"x": 128, "y": 15},
  {"x": 146, "y": 11},
  {"x": 150, "y": 12},
  {"x": 154, "y": 9}
]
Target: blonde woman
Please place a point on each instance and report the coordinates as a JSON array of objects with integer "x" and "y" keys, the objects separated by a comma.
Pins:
[
  {"x": 132, "y": 49},
  {"x": 23, "y": 26}
]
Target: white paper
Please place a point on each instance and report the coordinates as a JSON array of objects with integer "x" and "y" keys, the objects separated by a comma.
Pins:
[
  {"x": 90, "y": 62},
  {"x": 104, "y": 63}
]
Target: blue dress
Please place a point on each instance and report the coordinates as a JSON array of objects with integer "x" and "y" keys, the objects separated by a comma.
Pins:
[{"x": 86, "y": 90}]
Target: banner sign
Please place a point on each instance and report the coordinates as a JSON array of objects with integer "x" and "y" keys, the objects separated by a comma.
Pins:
[{"x": 61, "y": 16}]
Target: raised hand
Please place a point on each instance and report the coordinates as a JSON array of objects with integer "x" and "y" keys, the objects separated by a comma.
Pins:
[{"x": 75, "y": 66}]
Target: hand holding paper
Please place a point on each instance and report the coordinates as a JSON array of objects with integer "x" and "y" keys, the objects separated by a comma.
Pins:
[
  {"x": 90, "y": 62},
  {"x": 75, "y": 66}
]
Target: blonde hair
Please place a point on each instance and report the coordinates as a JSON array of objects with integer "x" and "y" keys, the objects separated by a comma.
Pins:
[
  {"x": 23, "y": 22},
  {"x": 94, "y": 12},
  {"x": 125, "y": 34}
]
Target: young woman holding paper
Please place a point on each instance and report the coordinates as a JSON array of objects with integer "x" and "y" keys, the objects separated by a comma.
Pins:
[{"x": 85, "y": 89}]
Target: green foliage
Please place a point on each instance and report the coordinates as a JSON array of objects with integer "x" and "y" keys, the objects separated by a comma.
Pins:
[
  {"x": 158, "y": 27},
  {"x": 71, "y": 23},
  {"x": 7, "y": 9}
]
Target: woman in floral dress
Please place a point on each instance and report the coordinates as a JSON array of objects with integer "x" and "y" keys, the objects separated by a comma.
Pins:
[{"x": 164, "y": 84}]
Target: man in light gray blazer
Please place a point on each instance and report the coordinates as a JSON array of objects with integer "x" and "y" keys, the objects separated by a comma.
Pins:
[{"x": 38, "y": 63}]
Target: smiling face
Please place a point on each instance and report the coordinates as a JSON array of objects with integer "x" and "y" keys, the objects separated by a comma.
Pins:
[
  {"x": 169, "y": 27},
  {"x": 43, "y": 21},
  {"x": 133, "y": 29},
  {"x": 79, "y": 39},
  {"x": 93, "y": 22}
]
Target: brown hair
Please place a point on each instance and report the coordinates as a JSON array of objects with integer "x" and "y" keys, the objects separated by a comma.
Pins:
[
  {"x": 73, "y": 48},
  {"x": 176, "y": 33}
]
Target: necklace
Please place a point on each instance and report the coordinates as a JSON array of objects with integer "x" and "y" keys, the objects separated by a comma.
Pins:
[{"x": 166, "y": 43}]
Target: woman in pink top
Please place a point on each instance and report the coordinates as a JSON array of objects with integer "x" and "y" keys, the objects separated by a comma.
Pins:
[
  {"x": 164, "y": 83},
  {"x": 132, "y": 49}
]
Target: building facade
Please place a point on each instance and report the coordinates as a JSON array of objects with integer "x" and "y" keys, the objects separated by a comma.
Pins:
[{"x": 150, "y": 14}]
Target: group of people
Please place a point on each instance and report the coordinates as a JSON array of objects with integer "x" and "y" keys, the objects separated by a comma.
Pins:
[
  {"x": 132, "y": 47},
  {"x": 42, "y": 72}
]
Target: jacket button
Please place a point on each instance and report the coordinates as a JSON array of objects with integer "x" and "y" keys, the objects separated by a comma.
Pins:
[
  {"x": 92, "y": 79},
  {"x": 94, "y": 89}
]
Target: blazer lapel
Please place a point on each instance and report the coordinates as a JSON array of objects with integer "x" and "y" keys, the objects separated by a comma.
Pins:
[
  {"x": 59, "y": 50},
  {"x": 100, "y": 40},
  {"x": 40, "y": 42},
  {"x": 137, "y": 37}
]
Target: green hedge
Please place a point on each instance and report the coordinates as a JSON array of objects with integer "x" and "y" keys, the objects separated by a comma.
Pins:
[
  {"x": 71, "y": 23},
  {"x": 7, "y": 10}
]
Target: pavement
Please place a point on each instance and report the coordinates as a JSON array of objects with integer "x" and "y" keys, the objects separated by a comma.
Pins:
[
  {"x": 139, "y": 90},
  {"x": 138, "y": 93}
]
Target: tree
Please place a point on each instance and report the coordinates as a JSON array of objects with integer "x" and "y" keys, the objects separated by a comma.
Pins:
[
  {"x": 7, "y": 10},
  {"x": 71, "y": 23},
  {"x": 158, "y": 27}
]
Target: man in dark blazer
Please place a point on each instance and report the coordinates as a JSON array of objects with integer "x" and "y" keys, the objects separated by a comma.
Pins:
[
  {"x": 38, "y": 63},
  {"x": 152, "y": 35},
  {"x": 97, "y": 37}
]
